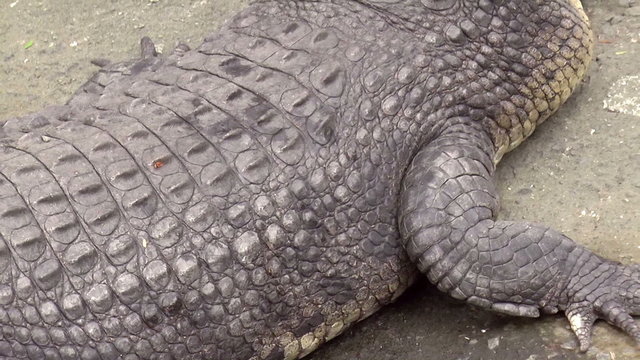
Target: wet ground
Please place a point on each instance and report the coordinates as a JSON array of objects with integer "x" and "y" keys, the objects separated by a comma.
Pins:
[{"x": 580, "y": 172}]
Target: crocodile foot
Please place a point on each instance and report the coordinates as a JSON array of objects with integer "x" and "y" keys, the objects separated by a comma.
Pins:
[{"x": 611, "y": 292}]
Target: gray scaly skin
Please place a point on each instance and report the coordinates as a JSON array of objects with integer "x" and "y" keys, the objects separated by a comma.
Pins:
[{"x": 256, "y": 196}]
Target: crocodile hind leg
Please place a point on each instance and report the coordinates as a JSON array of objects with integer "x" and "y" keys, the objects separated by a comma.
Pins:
[{"x": 448, "y": 206}]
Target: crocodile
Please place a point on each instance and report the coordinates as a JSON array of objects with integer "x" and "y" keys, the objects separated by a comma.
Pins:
[{"x": 256, "y": 196}]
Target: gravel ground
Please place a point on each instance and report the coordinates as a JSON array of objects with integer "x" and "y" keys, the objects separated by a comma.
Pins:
[{"x": 580, "y": 172}]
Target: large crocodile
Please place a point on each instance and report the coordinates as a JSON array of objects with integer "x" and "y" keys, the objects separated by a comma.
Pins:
[{"x": 256, "y": 196}]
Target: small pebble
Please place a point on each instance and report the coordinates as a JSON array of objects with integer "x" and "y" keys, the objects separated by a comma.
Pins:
[{"x": 493, "y": 343}]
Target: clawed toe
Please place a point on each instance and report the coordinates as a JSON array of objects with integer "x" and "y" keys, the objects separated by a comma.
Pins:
[
  {"x": 618, "y": 316},
  {"x": 581, "y": 318}
]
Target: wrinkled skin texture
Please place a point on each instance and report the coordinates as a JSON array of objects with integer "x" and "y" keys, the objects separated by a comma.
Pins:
[{"x": 254, "y": 197}]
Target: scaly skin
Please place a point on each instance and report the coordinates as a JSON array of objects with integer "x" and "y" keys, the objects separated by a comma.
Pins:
[{"x": 254, "y": 197}]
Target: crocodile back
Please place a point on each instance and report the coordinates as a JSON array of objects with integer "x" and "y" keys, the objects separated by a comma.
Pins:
[{"x": 224, "y": 202}]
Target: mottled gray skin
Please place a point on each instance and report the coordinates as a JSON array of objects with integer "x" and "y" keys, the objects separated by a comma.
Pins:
[{"x": 254, "y": 197}]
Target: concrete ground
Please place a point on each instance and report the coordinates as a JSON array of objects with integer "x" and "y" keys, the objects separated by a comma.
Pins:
[{"x": 580, "y": 172}]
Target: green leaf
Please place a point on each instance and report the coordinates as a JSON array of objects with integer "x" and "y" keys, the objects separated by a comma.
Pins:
[{"x": 28, "y": 44}]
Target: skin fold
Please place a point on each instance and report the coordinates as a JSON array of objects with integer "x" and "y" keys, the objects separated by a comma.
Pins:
[{"x": 254, "y": 197}]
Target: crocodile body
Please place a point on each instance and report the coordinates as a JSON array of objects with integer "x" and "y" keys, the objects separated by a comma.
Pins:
[{"x": 256, "y": 196}]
